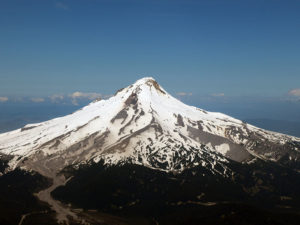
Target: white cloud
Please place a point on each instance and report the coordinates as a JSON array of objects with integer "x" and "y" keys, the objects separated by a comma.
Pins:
[
  {"x": 295, "y": 92},
  {"x": 81, "y": 95},
  {"x": 3, "y": 99},
  {"x": 184, "y": 94},
  {"x": 107, "y": 96},
  {"x": 56, "y": 98},
  {"x": 37, "y": 100},
  {"x": 90, "y": 96},
  {"x": 218, "y": 94},
  {"x": 61, "y": 5}
]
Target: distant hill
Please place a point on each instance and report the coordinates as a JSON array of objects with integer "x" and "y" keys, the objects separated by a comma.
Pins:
[{"x": 281, "y": 126}]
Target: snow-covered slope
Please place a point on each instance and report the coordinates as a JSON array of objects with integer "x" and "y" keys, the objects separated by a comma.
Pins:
[{"x": 145, "y": 125}]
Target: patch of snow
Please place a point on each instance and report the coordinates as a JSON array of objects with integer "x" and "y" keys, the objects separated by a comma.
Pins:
[{"x": 223, "y": 148}]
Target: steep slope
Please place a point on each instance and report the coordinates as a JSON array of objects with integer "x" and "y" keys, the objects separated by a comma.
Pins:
[{"x": 143, "y": 124}]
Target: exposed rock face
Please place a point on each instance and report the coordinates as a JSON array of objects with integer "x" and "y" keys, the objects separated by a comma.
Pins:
[{"x": 144, "y": 125}]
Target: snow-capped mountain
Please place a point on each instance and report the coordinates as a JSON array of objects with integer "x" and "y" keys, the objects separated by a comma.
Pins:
[
  {"x": 143, "y": 124},
  {"x": 143, "y": 149}
]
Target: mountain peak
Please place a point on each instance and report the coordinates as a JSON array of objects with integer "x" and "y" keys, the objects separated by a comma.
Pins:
[
  {"x": 151, "y": 82},
  {"x": 144, "y": 80},
  {"x": 148, "y": 84}
]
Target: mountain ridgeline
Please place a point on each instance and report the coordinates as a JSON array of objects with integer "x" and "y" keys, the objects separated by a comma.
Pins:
[{"x": 144, "y": 157}]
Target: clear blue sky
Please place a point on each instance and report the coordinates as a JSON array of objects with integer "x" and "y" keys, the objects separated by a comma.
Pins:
[{"x": 235, "y": 47}]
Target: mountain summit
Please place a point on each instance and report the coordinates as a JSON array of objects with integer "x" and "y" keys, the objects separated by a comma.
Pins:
[{"x": 144, "y": 125}]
